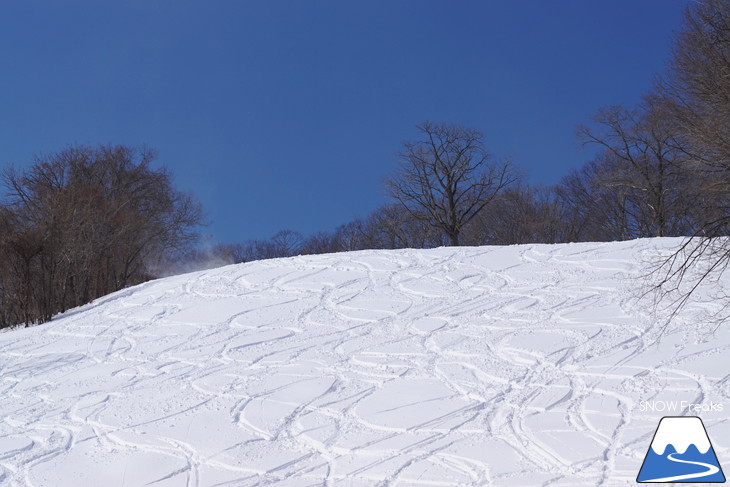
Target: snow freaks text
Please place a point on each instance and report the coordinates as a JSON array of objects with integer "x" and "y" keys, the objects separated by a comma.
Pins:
[{"x": 679, "y": 406}]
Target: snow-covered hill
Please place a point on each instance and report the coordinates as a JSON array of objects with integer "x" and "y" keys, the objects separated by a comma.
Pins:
[{"x": 525, "y": 365}]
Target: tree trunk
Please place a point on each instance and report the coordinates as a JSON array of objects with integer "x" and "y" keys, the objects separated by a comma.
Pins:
[{"x": 454, "y": 238}]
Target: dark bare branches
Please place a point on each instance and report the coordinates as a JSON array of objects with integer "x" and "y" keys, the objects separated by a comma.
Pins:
[
  {"x": 86, "y": 222},
  {"x": 447, "y": 177},
  {"x": 644, "y": 167}
]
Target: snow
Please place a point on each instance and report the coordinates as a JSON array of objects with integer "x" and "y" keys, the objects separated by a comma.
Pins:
[
  {"x": 506, "y": 366},
  {"x": 681, "y": 433}
]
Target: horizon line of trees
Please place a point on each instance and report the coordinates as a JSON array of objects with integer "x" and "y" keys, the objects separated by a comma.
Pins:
[
  {"x": 89, "y": 221},
  {"x": 663, "y": 169}
]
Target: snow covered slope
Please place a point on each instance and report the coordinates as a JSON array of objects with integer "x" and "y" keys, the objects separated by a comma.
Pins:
[{"x": 523, "y": 365}]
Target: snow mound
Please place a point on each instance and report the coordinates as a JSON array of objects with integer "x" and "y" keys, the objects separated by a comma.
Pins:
[{"x": 521, "y": 365}]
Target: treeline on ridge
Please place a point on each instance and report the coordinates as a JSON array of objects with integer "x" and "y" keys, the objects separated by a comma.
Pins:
[
  {"x": 663, "y": 169},
  {"x": 85, "y": 222}
]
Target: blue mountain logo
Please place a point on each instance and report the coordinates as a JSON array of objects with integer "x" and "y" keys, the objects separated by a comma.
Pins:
[{"x": 681, "y": 452}]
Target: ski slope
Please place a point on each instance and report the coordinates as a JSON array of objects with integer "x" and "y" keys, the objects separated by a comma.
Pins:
[{"x": 505, "y": 366}]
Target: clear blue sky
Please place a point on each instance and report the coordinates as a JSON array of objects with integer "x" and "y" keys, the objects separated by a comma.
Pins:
[{"x": 288, "y": 114}]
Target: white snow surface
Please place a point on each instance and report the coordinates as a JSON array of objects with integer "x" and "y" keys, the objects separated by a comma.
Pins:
[
  {"x": 680, "y": 432},
  {"x": 507, "y": 366}
]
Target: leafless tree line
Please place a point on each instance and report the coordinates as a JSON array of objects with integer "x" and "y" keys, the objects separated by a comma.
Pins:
[
  {"x": 696, "y": 93},
  {"x": 89, "y": 221},
  {"x": 662, "y": 169},
  {"x": 85, "y": 222}
]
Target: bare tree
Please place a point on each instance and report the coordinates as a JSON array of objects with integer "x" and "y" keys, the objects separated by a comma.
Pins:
[
  {"x": 388, "y": 227},
  {"x": 447, "y": 178},
  {"x": 696, "y": 90},
  {"x": 642, "y": 159},
  {"x": 520, "y": 214},
  {"x": 697, "y": 85},
  {"x": 593, "y": 208},
  {"x": 287, "y": 242},
  {"x": 320, "y": 243},
  {"x": 394, "y": 227},
  {"x": 88, "y": 221}
]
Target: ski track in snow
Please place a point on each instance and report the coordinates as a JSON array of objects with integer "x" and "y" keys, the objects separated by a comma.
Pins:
[{"x": 519, "y": 365}]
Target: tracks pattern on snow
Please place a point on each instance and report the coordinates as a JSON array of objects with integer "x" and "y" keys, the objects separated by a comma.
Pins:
[{"x": 485, "y": 366}]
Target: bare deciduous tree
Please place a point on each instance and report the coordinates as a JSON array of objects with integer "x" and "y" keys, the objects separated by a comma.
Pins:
[
  {"x": 520, "y": 214},
  {"x": 287, "y": 242},
  {"x": 697, "y": 85},
  {"x": 447, "y": 178},
  {"x": 593, "y": 209},
  {"x": 394, "y": 227},
  {"x": 696, "y": 90},
  {"x": 642, "y": 159},
  {"x": 88, "y": 221}
]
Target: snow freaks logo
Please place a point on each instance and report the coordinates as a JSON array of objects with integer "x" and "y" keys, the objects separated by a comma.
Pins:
[
  {"x": 680, "y": 452},
  {"x": 679, "y": 406}
]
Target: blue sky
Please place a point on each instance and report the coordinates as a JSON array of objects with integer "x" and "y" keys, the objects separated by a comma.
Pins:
[{"x": 288, "y": 114}]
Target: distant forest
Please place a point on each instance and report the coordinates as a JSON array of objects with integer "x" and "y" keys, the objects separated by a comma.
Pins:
[{"x": 85, "y": 222}]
